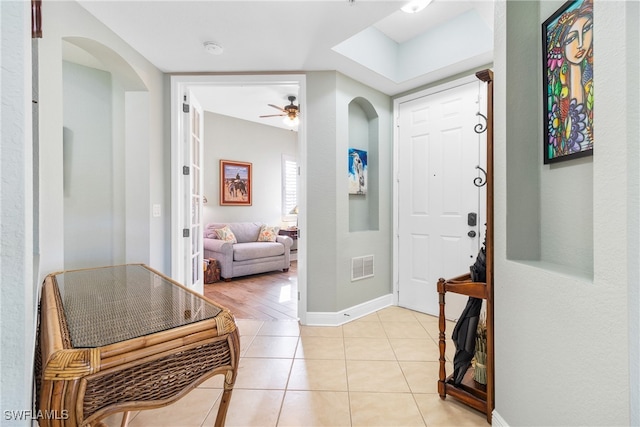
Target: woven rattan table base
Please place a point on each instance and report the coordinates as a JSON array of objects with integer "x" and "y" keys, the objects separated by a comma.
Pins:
[
  {"x": 157, "y": 380},
  {"x": 126, "y": 338}
]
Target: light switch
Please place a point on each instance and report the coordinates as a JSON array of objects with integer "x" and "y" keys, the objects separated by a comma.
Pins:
[{"x": 156, "y": 210}]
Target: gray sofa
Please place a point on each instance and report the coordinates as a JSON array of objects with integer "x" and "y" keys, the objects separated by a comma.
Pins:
[{"x": 248, "y": 256}]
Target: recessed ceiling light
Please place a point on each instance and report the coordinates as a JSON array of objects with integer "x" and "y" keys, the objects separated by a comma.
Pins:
[
  {"x": 213, "y": 48},
  {"x": 415, "y": 6}
]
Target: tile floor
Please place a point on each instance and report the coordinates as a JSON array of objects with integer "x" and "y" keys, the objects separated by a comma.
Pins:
[{"x": 380, "y": 370}]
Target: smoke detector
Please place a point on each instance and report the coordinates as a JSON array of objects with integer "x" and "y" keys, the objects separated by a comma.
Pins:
[
  {"x": 415, "y": 6},
  {"x": 213, "y": 48}
]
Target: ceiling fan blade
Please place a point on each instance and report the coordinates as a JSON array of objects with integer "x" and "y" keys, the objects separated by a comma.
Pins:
[
  {"x": 273, "y": 115},
  {"x": 278, "y": 108}
]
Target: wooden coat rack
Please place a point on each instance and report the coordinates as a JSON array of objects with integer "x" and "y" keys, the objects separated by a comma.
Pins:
[{"x": 470, "y": 392}]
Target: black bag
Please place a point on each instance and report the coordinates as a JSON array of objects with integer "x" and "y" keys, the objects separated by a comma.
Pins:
[
  {"x": 464, "y": 333},
  {"x": 479, "y": 268}
]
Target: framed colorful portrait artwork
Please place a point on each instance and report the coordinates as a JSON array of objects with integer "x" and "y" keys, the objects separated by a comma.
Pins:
[
  {"x": 567, "y": 72},
  {"x": 235, "y": 183}
]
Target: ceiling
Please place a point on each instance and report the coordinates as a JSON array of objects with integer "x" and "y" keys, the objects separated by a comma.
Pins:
[{"x": 371, "y": 41}]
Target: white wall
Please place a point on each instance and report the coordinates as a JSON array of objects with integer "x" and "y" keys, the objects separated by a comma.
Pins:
[
  {"x": 23, "y": 264},
  {"x": 105, "y": 212},
  {"x": 330, "y": 243},
  {"x": 88, "y": 167},
  {"x": 562, "y": 328},
  {"x": 377, "y": 239},
  {"x": 141, "y": 174},
  {"x": 31, "y": 250},
  {"x": 18, "y": 290},
  {"x": 322, "y": 209},
  {"x": 632, "y": 15},
  {"x": 228, "y": 138},
  {"x": 363, "y": 135}
]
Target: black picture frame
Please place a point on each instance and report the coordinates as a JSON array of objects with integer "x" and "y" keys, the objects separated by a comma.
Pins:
[{"x": 567, "y": 74}]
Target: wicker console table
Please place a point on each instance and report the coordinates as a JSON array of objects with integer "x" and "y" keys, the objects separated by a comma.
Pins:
[{"x": 124, "y": 338}]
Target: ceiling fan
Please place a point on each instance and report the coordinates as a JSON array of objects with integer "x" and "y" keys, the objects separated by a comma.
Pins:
[{"x": 289, "y": 112}]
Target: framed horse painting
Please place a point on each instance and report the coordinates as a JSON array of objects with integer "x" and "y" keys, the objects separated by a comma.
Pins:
[{"x": 235, "y": 183}]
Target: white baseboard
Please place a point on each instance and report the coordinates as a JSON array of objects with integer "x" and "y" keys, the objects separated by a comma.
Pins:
[
  {"x": 349, "y": 314},
  {"x": 497, "y": 420}
]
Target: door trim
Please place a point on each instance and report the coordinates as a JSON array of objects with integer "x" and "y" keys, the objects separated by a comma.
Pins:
[
  {"x": 396, "y": 202},
  {"x": 183, "y": 82}
]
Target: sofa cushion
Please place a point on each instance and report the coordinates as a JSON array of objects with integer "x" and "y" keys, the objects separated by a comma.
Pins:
[
  {"x": 226, "y": 234},
  {"x": 244, "y": 231},
  {"x": 253, "y": 250},
  {"x": 268, "y": 234},
  {"x": 210, "y": 233}
]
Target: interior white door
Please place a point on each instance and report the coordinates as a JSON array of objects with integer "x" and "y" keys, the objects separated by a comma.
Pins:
[
  {"x": 192, "y": 190},
  {"x": 437, "y": 157}
]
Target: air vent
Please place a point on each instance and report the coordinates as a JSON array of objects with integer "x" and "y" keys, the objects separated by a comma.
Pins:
[{"x": 361, "y": 267}]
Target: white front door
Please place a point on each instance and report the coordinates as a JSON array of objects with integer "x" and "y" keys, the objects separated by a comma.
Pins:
[
  {"x": 438, "y": 151},
  {"x": 192, "y": 187}
]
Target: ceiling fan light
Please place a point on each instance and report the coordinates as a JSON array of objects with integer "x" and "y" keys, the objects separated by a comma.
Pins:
[
  {"x": 291, "y": 121},
  {"x": 415, "y": 6}
]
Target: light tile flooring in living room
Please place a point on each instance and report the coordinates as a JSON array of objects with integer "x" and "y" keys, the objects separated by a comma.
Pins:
[{"x": 380, "y": 370}]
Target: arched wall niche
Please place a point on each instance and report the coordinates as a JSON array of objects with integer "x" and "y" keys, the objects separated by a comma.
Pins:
[
  {"x": 105, "y": 152},
  {"x": 88, "y": 52},
  {"x": 364, "y": 137}
]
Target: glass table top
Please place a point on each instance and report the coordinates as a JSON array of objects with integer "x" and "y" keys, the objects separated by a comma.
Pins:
[{"x": 107, "y": 305}]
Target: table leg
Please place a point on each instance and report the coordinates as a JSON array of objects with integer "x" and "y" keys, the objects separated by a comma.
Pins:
[
  {"x": 125, "y": 419},
  {"x": 224, "y": 406},
  {"x": 229, "y": 378}
]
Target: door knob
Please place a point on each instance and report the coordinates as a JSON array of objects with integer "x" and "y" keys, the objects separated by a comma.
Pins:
[{"x": 471, "y": 234}]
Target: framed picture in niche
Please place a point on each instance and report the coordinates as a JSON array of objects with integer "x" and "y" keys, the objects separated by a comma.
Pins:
[
  {"x": 235, "y": 183},
  {"x": 357, "y": 171},
  {"x": 567, "y": 73}
]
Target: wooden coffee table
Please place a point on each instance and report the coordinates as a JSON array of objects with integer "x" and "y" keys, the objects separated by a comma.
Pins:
[{"x": 123, "y": 338}]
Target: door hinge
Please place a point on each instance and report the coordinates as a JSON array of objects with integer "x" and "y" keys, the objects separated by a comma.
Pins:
[
  {"x": 185, "y": 107},
  {"x": 298, "y": 296},
  {"x": 185, "y": 232},
  {"x": 185, "y": 170}
]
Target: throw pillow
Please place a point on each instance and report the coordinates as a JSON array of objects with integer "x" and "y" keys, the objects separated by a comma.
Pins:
[
  {"x": 226, "y": 234},
  {"x": 268, "y": 234}
]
